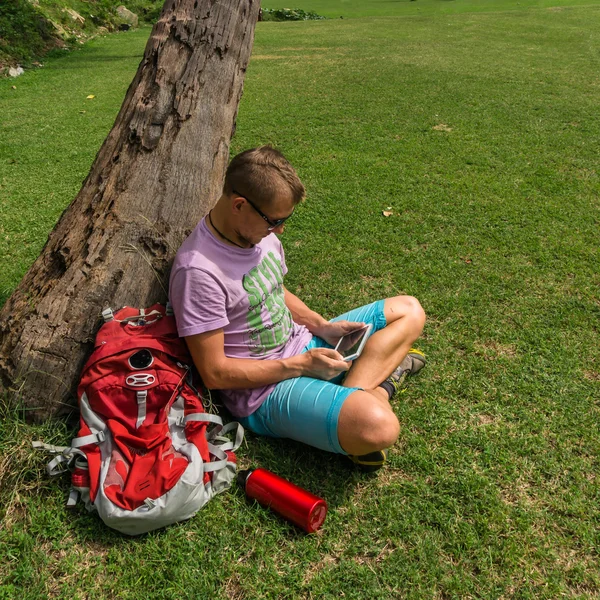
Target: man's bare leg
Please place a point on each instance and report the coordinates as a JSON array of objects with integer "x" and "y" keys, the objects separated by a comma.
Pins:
[{"x": 367, "y": 422}]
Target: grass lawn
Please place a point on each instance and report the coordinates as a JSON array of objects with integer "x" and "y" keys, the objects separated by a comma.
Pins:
[{"x": 476, "y": 122}]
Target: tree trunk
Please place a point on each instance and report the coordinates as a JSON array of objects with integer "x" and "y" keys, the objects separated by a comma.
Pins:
[{"x": 158, "y": 172}]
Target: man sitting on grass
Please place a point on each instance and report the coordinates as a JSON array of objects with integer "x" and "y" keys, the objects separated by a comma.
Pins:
[{"x": 272, "y": 357}]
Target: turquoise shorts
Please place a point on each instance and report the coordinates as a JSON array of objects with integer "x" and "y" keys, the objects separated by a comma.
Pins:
[{"x": 305, "y": 409}]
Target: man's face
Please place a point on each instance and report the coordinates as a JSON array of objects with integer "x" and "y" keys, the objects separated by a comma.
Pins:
[{"x": 257, "y": 222}]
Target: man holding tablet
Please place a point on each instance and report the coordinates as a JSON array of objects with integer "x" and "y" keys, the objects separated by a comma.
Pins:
[{"x": 273, "y": 359}]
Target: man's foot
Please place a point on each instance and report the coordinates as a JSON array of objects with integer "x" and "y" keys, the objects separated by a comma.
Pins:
[
  {"x": 413, "y": 362},
  {"x": 370, "y": 462}
]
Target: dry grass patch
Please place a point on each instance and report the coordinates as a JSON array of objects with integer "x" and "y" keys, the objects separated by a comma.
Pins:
[
  {"x": 491, "y": 349},
  {"x": 374, "y": 558},
  {"x": 21, "y": 474},
  {"x": 389, "y": 475},
  {"x": 520, "y": 493},
  {"x": 71, "y": 565},
  {"x": 270, "y": 57},
  {"x": 233, "y": 589},
  {"x": 484, "y": 419},
  {"x": 314, "y": 569},
  {"x": 300, "y": 49}
]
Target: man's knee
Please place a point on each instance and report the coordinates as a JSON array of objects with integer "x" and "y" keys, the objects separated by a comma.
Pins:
[
  {"x": 382, "y": 430},
  {"x": 408, "y": 308},
  {"x": 417, "y": 315},
  {"x": 367, "y": 423}
]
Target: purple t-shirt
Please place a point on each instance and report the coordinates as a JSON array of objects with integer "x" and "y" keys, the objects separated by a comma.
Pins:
[{"x": 214, "y": 285}]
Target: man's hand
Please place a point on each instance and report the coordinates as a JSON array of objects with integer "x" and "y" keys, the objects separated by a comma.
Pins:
[
  {"x": 323, "y": 363},
  {"x": 332, "y": 332}
]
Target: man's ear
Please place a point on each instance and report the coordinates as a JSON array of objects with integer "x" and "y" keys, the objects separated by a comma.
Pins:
[{"x": 236, "y": 203}]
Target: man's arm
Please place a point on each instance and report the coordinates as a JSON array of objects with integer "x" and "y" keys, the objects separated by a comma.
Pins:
[
  {"x": 302, "y": 314},
  {"x": 221, "y": 372},
  {"x": 315, "y": 323}
]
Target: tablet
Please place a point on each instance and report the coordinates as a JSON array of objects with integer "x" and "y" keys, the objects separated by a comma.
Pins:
[{"x": 351, "y": 345}]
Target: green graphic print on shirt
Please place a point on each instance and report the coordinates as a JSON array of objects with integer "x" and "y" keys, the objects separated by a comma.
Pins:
[{"x": 264, "y": 284}]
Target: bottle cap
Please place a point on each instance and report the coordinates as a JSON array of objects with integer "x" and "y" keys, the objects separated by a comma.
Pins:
[
  {"x": 316, "y": 517},
  {"x": 242, "y": 477}
]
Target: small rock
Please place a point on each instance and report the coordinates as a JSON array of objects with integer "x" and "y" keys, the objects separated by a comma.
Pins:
[
  {"x": 127, "y": 16},
  {"x": 16, "y": 71},
  {"x": 14, "y": 87}
]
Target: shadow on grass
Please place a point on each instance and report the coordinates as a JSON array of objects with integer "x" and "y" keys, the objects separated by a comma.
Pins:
[{"x": 329, "y": 476}]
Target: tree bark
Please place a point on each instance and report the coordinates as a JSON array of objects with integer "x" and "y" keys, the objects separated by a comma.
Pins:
[{"x": 158, "y": 172}]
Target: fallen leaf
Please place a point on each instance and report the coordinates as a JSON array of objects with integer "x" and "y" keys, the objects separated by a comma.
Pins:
[
  {"x": 82, "y": 112},
  {"x": 442, "y": 127},
  {"x": 14, "y": 87},
  {"x": 90, "y": 97},
  {"x": 387, "y": 213}
]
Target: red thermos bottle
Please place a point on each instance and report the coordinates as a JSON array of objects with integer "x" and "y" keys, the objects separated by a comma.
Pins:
[{"x": 292, "y": 502}]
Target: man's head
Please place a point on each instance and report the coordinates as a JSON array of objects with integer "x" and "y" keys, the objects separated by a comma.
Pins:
[
  {"x": 260, "y": 193},
  {"x": 265, "y": 177}
]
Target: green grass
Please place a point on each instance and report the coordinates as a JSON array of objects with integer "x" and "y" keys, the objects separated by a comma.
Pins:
[
  {"x": 357, "y": 8},
  {"x": 480, "y": 130}
]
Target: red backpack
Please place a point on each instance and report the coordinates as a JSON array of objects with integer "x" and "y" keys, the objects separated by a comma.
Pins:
[{"x": 148, "y": 453}]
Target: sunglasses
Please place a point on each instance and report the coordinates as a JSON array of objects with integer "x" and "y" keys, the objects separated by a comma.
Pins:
[{"x": 273, "y": 223}]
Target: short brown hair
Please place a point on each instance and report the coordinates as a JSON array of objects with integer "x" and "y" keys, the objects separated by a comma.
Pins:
[{"x": 262, "y": 174}]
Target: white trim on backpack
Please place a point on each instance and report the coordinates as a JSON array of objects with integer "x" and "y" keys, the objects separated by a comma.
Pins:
[{"x": 141, "y": 396}]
